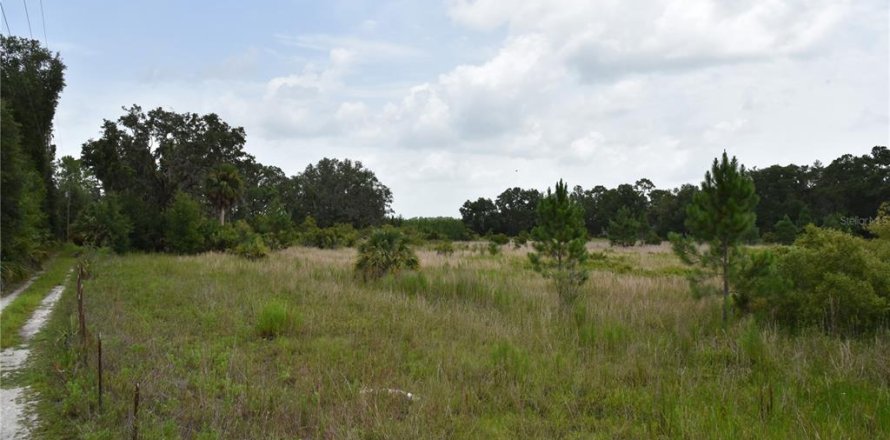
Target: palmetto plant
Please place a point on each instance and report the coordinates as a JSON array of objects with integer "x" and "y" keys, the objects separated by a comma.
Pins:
[
  {"x": 223, "y": 188},
  {"x": 385, "y": 251}
]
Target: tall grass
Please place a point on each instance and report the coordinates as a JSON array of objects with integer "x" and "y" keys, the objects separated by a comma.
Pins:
[{"x": 481, "y": 341}]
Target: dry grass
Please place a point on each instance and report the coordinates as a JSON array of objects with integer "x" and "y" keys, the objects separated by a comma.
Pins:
[{"x": 480, "y": 341}]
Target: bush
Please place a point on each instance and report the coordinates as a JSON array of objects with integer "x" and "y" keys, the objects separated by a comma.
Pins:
[
  {"x": 253, "y": 248},
  {"x": 386, "y": 251},
  {"x": 499, "y": 239},
  {"x": 228, "y": 236},
  {"x": 104, "y": 224},
  {"x": 276, "y": 227},
  {"x": 652, "y": 237},
  {"x": 827, "y": 279},
  {"x": 444, "y": 248},
  {"x": 339, "y": 235},
  {"x": 437, "y": 228},
  {"x": 493, "y": 248},
  {"x": 521, "y": 239},
  {"x": 274, "y": 320},
  {"x": 184, "y": 223}
]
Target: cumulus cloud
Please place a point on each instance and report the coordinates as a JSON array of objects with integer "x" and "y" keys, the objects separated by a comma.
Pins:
[
  {"x": 600, "y": 38},
  {"x": 594, "y": 92}
]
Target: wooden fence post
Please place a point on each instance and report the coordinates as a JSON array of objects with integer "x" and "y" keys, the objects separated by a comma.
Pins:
[
  {"x": 99, "y": 343},
  {"x": 136, "y": 413},
  {"x": 80, "y": 314}
]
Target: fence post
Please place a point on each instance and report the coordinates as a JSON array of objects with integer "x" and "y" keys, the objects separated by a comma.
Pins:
[
  {"x": 80, "y": 314},
  {"x": 136, "y": 413},
  {"x": 99, "y": 343}
]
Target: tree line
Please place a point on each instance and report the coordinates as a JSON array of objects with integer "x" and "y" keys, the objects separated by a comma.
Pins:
[{"x": 791, "y": 197}]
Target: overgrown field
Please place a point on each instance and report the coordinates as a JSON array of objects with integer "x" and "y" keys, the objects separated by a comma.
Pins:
[{"x": 294, "y": 346}]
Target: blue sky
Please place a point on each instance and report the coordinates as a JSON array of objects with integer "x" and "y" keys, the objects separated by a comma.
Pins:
[{"x": 451, "y": 100}]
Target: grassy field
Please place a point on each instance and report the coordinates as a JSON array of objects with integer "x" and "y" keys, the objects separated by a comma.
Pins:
[{"x": 480, "y": 342}]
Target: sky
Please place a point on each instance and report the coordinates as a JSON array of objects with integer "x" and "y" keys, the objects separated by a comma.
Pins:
[{"x": 453, "y": 100}]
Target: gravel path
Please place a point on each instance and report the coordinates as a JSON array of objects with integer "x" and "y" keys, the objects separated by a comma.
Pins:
[
  {"x": 6, "y": 300},
  {"x": 14, "y": 402}
]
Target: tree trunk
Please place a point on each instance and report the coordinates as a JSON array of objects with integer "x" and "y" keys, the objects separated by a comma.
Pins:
[
  {"x": 222, "y": 216},
  {"x": 725, "y": 282}
]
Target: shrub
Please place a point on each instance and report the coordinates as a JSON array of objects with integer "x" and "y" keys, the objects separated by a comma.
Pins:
[
  {"x": 339, "y": 235},
  {"x": 493, "y": 248},
  {"x": 828, "y": 279},
  {"x": 521, "y": 239},
  {"x": 437, "y": 228},
  {"x": 184, "y": 222},
  {"x": 274, "y": 320},
  {"x": 385, "y": 251},
  {"x": 652, "y": 237},
  {"x": 228, "y": 236},
  {"x": 104, "y": 224},
  {"x": 253, "y": 248},
  {"x": 499, "y": 239},
  {"x": 444, "y": 248}
]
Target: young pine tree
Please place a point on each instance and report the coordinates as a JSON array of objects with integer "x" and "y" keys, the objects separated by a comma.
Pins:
[
  {"x": 624, "y": 229},
  {"x": 722, "y": 212},
  {"x": 559, "y": 242},
  {"x": 785, "y": 230}
]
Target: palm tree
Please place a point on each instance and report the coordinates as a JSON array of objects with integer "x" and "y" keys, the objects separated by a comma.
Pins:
[{"x": 224, "y": 187}]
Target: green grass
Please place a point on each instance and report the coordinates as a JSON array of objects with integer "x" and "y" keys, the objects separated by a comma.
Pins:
[
  {"x": 482, "y": 343},
  {"x": 19, "y": 311}
]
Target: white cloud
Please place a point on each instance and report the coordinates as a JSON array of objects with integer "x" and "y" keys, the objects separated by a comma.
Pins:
[
  {"x": 600, "y": 92},
  {"x": 600, "y": 38}
]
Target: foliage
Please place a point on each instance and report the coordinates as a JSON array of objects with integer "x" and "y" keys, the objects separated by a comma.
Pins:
[
  {"x": 444, "y": 247},
  {"x": 521, "y": 239},
  {"x": 499, "y": 239},
  {"x": 828, "y": 279},
  {"x": 223, "y": 188},
  {"x": 517, "y": 210},
  {"x": 785, "y": 231},
  {"x": 560, "y": 243},
  {"x": 480, "y": 216},
  {"x": 385, "y": 251},
  {"x": 145, "y": 158},
  {"x": 880, "y": 226},
  {"x": 651, "y": 237},
  {"x": 252, "y": 248},
  {"x": 275, "y": 226},
  {"x": 184, "y": 225},
  {"x": 493, "y": 248},
  {"x": 23, "y": 224},
  {"x": 624, "y": 229},
  {"x": 104, "y": 224},
  {"x": 340, "y": 191},
  {"x": 31, "y": 81},
  {"x": 339, "y": 235},
  {"x": 77, "y": 190},
  {"x": 722, "y": 212},
  {"x": 228, "y": 236},
  {"x": 437, "y": 228},
  {"x": 274, "y": 320},
  {"x": 704, "y": 264}
]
